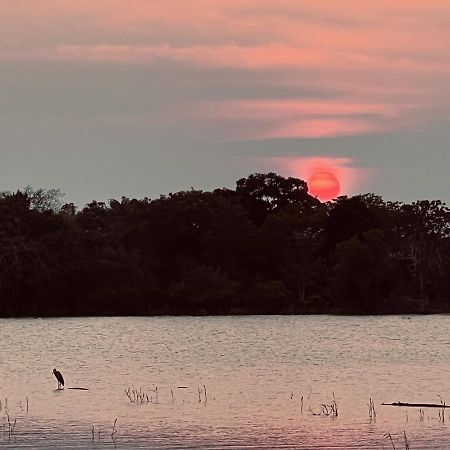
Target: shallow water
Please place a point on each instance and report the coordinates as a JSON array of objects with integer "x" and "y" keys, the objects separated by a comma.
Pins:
[{"x": 255, "y": 371}]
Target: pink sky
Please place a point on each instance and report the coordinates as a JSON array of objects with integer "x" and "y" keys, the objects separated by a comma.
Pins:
[
  {"x": 393, "y": 53},
  {"x": 359, "y": 67}
]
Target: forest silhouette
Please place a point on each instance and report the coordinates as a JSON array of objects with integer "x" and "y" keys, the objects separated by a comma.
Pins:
[{"x": 265, "y": 247}]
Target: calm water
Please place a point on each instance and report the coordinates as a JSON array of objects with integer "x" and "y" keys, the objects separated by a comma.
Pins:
[{"x": 255, "y": 371}]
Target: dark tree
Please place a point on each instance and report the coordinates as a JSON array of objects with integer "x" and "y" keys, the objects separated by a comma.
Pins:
[
  {"x": 262, "y": 194},
  {"x": 265, "y": 247}
]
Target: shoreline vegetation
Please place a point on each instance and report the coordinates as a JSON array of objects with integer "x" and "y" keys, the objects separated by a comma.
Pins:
[{"x": 265, "y": 247}]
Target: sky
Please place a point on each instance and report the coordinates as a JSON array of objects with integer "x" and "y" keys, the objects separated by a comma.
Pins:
[{"x": 139, "y": 98}]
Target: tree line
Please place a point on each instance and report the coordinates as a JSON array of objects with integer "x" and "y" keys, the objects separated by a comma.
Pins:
[{"x": 265, "y": 247}]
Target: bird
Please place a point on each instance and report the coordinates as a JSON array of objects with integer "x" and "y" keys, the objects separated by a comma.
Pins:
[{"x": 59, "y": 377}]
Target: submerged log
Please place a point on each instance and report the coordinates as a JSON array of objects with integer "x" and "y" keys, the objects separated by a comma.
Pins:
[{"x": 418, "y": 405}]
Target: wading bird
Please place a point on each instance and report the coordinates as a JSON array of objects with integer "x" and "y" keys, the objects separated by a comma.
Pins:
[{"x": 59, "y": 377}]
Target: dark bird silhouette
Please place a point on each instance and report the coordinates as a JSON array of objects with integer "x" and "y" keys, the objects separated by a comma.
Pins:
[{"x": 59, "y": 377}]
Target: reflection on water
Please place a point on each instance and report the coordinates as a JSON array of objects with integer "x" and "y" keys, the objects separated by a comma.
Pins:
[{"x": 224, "y": 382}]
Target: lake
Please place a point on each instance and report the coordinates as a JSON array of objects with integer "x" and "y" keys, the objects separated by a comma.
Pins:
[{"x": 224, "y": 382}]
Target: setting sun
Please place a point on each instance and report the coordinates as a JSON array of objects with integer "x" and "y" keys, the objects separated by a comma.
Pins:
[{"x": 324, "y": 185}]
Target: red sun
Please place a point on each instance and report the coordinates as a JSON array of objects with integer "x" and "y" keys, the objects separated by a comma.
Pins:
[{"x": 324, "y": 185}]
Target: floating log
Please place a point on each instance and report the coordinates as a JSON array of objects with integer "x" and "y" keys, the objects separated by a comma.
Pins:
[
  {"x": 78, "y": 388},
  {"x": 418, "y": 405}
]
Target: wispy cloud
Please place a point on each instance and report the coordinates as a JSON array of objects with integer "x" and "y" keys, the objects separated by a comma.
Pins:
[
  {"x": 302, "y": 118},
  {"x": 387, "y": 62}
]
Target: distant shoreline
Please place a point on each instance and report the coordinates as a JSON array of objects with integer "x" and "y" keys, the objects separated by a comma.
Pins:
[{"x": 240, "y": 314}]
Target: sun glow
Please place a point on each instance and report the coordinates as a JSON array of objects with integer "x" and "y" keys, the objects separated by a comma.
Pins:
[{"x": 327, "y": 177}]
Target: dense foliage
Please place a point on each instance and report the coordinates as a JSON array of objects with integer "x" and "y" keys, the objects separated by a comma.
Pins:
[{"x": 265, "y": 247}]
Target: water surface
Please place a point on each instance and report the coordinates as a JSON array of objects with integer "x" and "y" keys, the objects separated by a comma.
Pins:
[{"x": 255, "y": 370}]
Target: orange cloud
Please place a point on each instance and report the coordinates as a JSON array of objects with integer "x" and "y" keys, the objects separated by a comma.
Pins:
[
  {"x": 319, "y": 129},
  {"x": 303, "y": 118},
  {"x": 286, "y": 109}
]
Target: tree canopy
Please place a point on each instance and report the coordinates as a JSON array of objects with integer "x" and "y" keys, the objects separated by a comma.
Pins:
[{"x": 264, "y": 247}]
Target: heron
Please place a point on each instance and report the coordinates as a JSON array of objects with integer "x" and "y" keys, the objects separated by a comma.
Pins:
[{"x": 59, "y": 377}]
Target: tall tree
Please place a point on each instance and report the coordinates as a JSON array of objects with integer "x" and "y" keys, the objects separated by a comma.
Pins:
[
  {"x": 263, "y": 194},
  {"x": 424, "y": 227}
]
